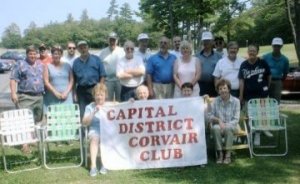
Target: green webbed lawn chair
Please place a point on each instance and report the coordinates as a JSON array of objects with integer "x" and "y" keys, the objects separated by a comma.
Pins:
[
  {"x": 63, "y": 124},
  {"x": 264, "y": 115}
]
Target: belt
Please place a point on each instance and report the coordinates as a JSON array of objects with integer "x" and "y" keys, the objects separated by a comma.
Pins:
[{"x": 31, "y": 93}]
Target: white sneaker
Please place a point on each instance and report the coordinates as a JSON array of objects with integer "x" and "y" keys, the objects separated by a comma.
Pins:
[
  {"x": 103, "y": 170},
  {"x": 256, "y": 138},
  {"x": 267, "y": 133}
]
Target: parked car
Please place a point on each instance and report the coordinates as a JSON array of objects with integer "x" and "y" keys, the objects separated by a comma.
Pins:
[
  {"x": 8, "y": 64},
  {"x": 3, "y": 67},
  {"x": 291, "y": 85},
  {"x": 14, "y": 55}
]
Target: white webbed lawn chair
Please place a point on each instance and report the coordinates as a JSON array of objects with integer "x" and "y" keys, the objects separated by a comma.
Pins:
[
  {"x": 17, "y": 128},
  {"x": 63, "y": 124}
]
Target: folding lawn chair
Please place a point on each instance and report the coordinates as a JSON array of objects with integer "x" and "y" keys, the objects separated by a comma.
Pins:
[
  {"x": 63, "y": 124},
  {"x": 264, "y": 115},
  {"x": 17, "y": 128}
]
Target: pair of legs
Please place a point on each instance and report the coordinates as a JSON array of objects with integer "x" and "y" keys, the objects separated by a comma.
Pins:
[
  {"x": 34, "y": 103},
  {"x": 228, "y": 134}
]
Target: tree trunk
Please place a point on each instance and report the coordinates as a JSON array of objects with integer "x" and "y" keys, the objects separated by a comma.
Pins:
[{"x": 293, "y": 11}]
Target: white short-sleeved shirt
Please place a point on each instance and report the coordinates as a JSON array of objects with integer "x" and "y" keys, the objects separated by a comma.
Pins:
[
  {"x": 134, "y": 63},
  {"x": 229, "y": 70},
  {"x": 109, "y": 59}
]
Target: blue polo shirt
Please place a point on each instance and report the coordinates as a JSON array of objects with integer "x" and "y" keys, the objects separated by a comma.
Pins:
[
  {"x": 90, "y": 72},
  {"x": 208, "y": 65},
  {"x": 279, "y": 66},
  {"x": 160, "y": 68},
  {"x": 28, "y": 76}
]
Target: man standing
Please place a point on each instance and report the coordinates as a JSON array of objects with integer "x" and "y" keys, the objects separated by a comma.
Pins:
[
  {"x": 208, "y": 59},
  {"x": 44, "y": 56},
  {"x": 176, "y": 45},
  {"x": 143, "y": 51},
  {"x": 71, "y": 54},
  {"x": 88, "y": 71},
  {"x": 160, "y": 72},
  {"x": 27, "y": 77},
  {"x": 228, "y": 68},
  {"x": 109, "y": 57},
  {"x": 279, "y": 66}
]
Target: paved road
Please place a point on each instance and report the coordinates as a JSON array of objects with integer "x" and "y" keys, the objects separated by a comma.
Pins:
[{"x": 5, "y": 102}]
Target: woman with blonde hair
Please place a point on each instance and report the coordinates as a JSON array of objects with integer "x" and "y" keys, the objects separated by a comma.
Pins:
[
  {"x": 187, "y": 68},
  {"x": 89, "y": 119}
]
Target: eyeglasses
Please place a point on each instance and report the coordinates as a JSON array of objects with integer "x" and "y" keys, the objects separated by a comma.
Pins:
[
  {"x": 129, "y": 48},
  {"x": 163, "y": 42}
]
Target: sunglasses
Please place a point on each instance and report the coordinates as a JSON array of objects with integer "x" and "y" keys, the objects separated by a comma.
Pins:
[
  {"x": 129, "y": 48},
  {"x": 163, "y": 42},
  {"x": 71, "y": 48}
]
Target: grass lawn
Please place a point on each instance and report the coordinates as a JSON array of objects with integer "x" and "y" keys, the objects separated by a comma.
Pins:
[{"x": 242, "y": 170}]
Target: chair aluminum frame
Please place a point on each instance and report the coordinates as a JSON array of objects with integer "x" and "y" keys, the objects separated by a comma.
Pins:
[
  {"x": 63, "y": 124},
  {"x": 264, "y": 115},
  {"x": 17, "y": 127}
]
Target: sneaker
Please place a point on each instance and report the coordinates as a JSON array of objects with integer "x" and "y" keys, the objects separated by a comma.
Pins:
[
  {"x": 268, "y": 133},
  {"x": 93, "y": 172},
  {"x": 103, "y": 170},
  {"x": 257, "y": 139}
]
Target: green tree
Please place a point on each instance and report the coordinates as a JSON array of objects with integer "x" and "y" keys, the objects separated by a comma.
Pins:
[
  {"x": 112, "y": 11},
  {"x": 84, "y": 16},
  {"x": 11, "y": 37},
  {"x": 70, "y": 18},
  {"x": 126, "y": 13}
]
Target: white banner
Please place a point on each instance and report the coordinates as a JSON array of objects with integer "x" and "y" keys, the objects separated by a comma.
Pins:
[{"x": 153, "y": 134}]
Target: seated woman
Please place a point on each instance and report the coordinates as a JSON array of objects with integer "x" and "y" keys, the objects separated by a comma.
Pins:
[
  {"x": 224, "y": 115},
  {"x": 89, "y": 119}
]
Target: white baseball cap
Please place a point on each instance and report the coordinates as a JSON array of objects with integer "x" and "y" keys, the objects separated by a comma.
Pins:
[
  {"x": 277, "y": 41},
  {"x": 142, "y": 36},
  {"x": 207, "y": 35},
  {"x": 113, "y": 35}
]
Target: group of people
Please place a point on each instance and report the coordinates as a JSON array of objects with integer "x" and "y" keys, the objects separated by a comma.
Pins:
[{"x": 120, "y": 74}]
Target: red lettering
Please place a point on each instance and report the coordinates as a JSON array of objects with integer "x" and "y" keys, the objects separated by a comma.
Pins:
[
  {"x": 176, "y": 126},
  {"x": 149, "y": 111},
  {"x": 171, "y": 113},
  {"x": 193, "y": 137},
  {"x": 110, "y": 114},
  {"x": 144, "y": 156},
  {"x": 160, "y": 126},
  {"x": 139, "y": 127},
  {"x": 131, "y": 143},
  {"x": 131, "y": 112},
  {"x": 160, "y": 112},
  {"x": 144, "y": 141},
  {"x": 123, "y": 128},
  {"x": 164, "y": 155},
  {"x": 189, "y": 123},
  {"x": 154, "y": 155},
  {"x": 150, "y": 126},
  {"x": 155, "y": 140},
  {"x": 175, "y": 140},
  {"x": 178, "y": 153},
  {"x": 121, "y": 115}
]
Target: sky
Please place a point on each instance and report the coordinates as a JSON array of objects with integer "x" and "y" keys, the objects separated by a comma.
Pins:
[{"x": 23, "y": 12}]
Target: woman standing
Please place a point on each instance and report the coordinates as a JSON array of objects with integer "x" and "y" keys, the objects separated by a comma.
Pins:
[
  {"x": 186, "y": 69},
  {"x": 58, "y": 78}
]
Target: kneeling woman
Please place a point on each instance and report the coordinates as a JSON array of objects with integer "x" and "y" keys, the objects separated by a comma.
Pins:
[
  {"x": 224, "y": 115},
  {"x": 89, "y": 119}
]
